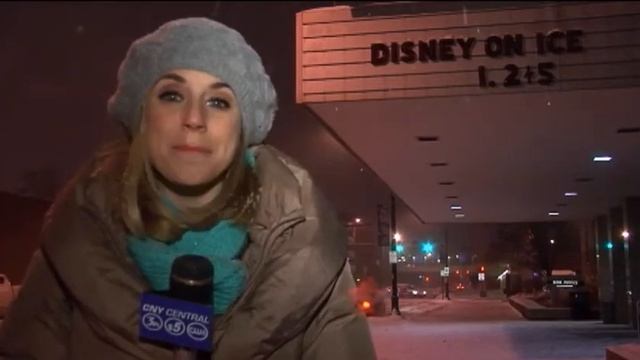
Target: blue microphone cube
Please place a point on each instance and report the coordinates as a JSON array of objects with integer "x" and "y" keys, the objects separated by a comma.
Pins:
[{"x": 176, "y": 322}]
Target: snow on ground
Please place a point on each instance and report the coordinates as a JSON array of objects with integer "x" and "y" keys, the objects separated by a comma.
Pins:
[{"x": 478, "y": 329}]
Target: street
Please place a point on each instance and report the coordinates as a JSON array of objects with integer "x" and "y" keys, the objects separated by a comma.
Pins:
[{"x": 473, "y": 328}]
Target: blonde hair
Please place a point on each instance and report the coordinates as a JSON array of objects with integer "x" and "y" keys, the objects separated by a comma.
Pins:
[{"x": 143, "y": 211}]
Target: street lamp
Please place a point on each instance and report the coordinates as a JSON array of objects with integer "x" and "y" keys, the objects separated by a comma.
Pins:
[
  {"x": 395, "y": 303},
  {"x": 353, "y": 226},
  {"x": 552, "y": 243},
  {"x": 625, "y": 234}
]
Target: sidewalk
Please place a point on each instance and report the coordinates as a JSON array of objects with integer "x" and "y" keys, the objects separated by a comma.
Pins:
[{"x": 479, "y": 329}]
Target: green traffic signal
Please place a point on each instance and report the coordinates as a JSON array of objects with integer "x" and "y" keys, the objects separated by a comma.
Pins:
[{"x": 427, "y": 247}]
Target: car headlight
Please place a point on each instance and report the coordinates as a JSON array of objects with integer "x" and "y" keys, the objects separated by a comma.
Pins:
[
  {"x": 424, "y": 292},
  {"x": 414, "y": 292}
]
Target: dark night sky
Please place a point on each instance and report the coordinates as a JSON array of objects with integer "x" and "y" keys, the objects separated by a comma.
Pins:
[{"x": 59, "y": 63}]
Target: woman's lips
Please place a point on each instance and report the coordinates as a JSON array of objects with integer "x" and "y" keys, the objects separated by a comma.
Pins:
[{"x": 191, "y": 148}]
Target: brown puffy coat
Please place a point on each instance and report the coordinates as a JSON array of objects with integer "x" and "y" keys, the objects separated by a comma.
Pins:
[{"x": 80, "y": 297}]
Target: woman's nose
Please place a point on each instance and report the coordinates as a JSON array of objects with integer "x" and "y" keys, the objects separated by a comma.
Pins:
[{"x": 194, "y": 119}]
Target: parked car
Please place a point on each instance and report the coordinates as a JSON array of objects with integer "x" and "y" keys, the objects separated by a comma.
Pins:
[
  {"x": 6, "y": 294},
  {"x": 411, "y": 291}
]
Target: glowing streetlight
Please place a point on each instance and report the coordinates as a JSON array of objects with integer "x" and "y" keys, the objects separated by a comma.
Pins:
[
  {"x": 625, "y": 234},
  {"x": 397, "y": 237},
  {"x": 358, "y": 220}
]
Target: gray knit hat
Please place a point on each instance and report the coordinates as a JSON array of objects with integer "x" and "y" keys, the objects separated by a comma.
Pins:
[{"x": 198, "y": 44}]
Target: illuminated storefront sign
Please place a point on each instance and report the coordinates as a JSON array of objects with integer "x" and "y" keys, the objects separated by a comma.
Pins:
[{"x": 565, "y": 283}]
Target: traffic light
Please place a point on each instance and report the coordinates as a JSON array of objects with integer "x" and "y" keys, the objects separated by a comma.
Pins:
[
  {"x": 482, "y": 269},
  {"x": 609, "y": 245},
  {"x": 426, "y": 247},
  {"x": 399, "y": 248}
]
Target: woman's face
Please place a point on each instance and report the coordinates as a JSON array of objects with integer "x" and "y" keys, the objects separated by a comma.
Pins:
[{"x": 192, "y": 124}]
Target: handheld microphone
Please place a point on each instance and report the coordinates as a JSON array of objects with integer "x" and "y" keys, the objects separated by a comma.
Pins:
[
  {"x": 184, "y": 317},
  {"x": 191, "y": 280}
]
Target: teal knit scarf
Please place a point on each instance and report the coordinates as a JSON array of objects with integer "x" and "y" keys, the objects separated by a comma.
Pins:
[{"x": 222, "y": 244}]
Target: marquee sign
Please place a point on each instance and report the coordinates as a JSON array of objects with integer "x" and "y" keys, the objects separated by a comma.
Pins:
[
  {"x": 343, "y": 56},
  {"x": 511, "y": 45}
]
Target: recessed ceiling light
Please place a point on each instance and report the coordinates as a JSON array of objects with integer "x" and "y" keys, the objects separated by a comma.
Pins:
[
  {"x": 458, "y": 216},
  {"x": 554, "y": 213},
  {"x": 602, "y": 158},
  {"x": 584, "y": 179},
  {"x": 570, "y": 194},
  {"x": 456, "y": 207},
  {"x": 629, "y": 130},
  {"x": 439, "y": 164},
  {"x": 446, "y": 183},
  {"x": 428, "y": 138}
]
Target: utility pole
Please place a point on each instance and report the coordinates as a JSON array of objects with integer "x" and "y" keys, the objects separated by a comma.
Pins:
[
  {"x": 395, "y": 306},
  {"x": 446, "y": 256}
]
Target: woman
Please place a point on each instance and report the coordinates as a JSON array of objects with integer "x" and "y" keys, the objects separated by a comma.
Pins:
[{"x": 191, "y": 178}]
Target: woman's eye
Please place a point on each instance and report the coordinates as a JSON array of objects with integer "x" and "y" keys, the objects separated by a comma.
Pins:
[
  {"x": 218, "y": 103},
  {"x": 170, "y": 96}
]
